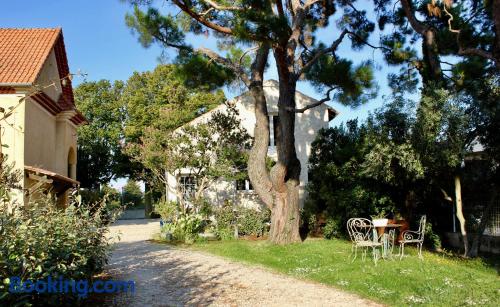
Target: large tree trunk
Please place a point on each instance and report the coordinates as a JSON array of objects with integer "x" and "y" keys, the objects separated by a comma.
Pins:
[
  {"x": 460, "y": 214},
  {"x": 257, "y": 170},
  {"x": 278, "y": 189},
  {"x": 285, "y": 218},
  {"x": 431, "y": 69},
  {"x": 285, "y": 175}
]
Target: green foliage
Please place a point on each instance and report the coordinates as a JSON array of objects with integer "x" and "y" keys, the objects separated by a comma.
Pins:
[
  {"x": 99, "y": 143},
  {"x": 432, "y": 239},
  {"x": 439, "y": 280},
  {"x": 252, "y": 222},
  {"x": 132, "y": 194},
  {"x": 188, "y": 227},
  {"x": 38, "y": 240},
  {"x": 337, "y": 186},
  {"x": 168, "y": 210},
  {"x": 185, "y": 228},
  {"x": 354, "y": 85},
  {"x": 225, "y": 221},
  {"x": 332, "y": 229}
]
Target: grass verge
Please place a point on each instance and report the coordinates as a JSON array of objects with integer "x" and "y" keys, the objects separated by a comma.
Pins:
[{"x": 439, "y": 280}]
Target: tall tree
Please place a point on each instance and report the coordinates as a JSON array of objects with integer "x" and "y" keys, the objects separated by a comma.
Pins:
[
  {"x": 99, "y": 143},
  {"x": 161, "y": 99},
  {"x": 289, "y": 30}
]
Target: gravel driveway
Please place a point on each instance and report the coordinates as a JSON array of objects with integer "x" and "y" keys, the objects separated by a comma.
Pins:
[{"x": 168, "y": 276}]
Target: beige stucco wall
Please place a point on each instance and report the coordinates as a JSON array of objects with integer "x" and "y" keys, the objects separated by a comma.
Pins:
[
  {"x": 307, "y": 125},
  {"x": 36, "y": 137},
  {"x": 12, "y": 134}
]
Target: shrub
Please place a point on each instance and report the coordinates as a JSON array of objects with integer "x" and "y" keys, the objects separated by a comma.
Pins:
[
  {"x": 431, "y": 239},
  {"x": 39, "y": 240},
  {"x": 332, "y": 229},
  {"x": 253, "y": 222},
  {"x": 225, "y": 219},
  {"x": 167, "y": 210},
  {"x": 188, "y": 227},
  {"x": 185, "y": 228}
]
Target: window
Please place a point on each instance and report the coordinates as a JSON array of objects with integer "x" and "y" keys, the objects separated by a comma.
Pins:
[
  {"x": 244, "y": 185},
  {"x": 274, "y": 129},
  {"x": 187, "y": 186}
]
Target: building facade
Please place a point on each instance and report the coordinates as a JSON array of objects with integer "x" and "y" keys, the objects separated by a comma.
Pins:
[
  {"x": 39, "y": 132},
  {"x": 307, "y": 125}
]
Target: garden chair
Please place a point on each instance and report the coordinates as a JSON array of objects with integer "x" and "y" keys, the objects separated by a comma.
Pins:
[
  {"x": 363, "y": 234},
  {"x": 416, "y": 237}
]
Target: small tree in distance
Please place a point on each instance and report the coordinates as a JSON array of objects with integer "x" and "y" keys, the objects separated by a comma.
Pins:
[{"x": 132, "y": 194}]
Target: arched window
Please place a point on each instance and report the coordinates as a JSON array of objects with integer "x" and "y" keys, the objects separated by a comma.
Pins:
[{"x": 72, "y": 163}]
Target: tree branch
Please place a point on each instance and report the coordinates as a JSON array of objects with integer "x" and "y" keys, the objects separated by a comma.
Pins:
[
  {"x": 467, "y": 51},
  {"x": 320, "y": 53},
  {"x": 219, "y": 7},
  {"x": 214, "y": 56},
  {"x": 414, "y": 22},
  {"x": 202, "y": 20},
  {"x": 317, "y": 103}
]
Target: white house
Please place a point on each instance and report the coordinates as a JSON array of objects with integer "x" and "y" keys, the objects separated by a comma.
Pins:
[{"x": 307, "y": 125}]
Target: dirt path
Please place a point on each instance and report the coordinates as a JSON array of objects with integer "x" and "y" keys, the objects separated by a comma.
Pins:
[{"x": 167, "y": 276}]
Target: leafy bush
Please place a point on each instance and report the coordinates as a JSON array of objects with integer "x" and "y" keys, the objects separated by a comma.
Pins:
[
  {"x": 185, "y": 228},
  {"x": 253, "y": 222},
  {"x": 188, "y": 227},
  {"x": 225, "y": 219},
  {"x": 38, "y": 240},
  {"x": 332, "y": 229},
  {"x": 167, "y": 210},
  {"x": 431, "y": 239}
]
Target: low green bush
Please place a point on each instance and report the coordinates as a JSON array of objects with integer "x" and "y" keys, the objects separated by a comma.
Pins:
[
  {"x": 39, "y": 240},
  {"x": 332, "y": 229},
  {"x": 253, "y": 222},
  {"x": 225, "y": 220},
  {"x": 185, "y": 228},
  {"x": 167, "y": 210}
]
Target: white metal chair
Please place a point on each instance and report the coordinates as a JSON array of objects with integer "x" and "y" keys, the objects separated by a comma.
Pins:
[
  {"x": 364, "y": 235},
  {"x": 416, "y": 237}
]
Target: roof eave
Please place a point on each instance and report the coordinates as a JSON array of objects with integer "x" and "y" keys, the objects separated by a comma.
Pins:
[{"x": 17, "y": 84}]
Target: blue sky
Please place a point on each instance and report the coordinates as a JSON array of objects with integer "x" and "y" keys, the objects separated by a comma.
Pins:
[{"x": 99, "y": 43}]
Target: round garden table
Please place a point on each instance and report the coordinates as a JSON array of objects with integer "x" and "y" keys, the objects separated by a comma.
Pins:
[{"x": 384, "y": 238}]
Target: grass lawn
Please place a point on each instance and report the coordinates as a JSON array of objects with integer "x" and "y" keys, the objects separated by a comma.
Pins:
[{"x": 439, "y": 280}]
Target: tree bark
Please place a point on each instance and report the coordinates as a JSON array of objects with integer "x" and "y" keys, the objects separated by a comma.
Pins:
[
  {"x": 485, "y": 219},
  {"x": 460, "y": 215},
  {"x": 431, "y": 70},
  {"x": 148, "y": 202},
  {"x": 495, "y": 12},
  {"x": 257, "y": 170},
  {"x": 285, "y": 175}
]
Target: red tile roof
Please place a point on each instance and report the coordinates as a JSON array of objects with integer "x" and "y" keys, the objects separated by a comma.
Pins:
[{"x": 23, "y": 53}]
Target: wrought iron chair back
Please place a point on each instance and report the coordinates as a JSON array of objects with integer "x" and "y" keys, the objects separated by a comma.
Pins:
[
  {"x": 361, "y": 232},
  {"x": 421, "y": 228},
  {"x": 360, "y": 229},
  {"x": 414, "y": 237}
]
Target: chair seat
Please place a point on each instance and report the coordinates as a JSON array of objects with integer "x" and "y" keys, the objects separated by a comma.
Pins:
[
  {"x": 368, "y": 243},
  {"x": 410, "y": 241}
]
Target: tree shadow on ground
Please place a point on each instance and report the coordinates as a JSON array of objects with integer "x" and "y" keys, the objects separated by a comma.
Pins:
[{"x": 160, "y": 279}]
